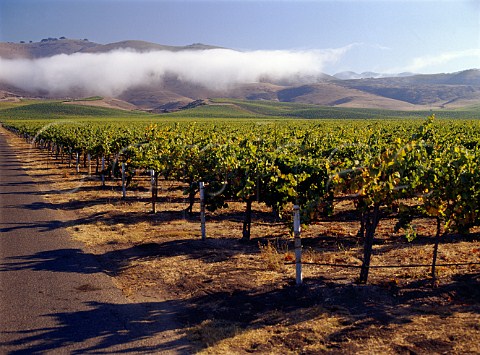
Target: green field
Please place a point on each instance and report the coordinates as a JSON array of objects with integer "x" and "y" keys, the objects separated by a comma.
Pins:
[
  {"x": 219, "y": 109},
  {"x": 228, "y": 108},
  {"x": 57, "y": 110}
]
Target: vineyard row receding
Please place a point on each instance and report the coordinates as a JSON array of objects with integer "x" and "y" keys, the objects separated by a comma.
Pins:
[{"x": 405, "y": 169}]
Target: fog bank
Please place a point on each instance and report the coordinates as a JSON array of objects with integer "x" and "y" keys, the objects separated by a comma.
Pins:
[{"x": 111, "y": 73}]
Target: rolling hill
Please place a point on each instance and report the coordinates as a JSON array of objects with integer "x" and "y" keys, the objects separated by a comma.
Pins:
[
  {"x": 367, "y": 90},
  {"x": 100, "y": 109},
  {"x": 52, "y": 46}
]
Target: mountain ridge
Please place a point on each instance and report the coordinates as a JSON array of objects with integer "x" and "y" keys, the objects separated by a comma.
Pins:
[{"x": 53, "y": 46}]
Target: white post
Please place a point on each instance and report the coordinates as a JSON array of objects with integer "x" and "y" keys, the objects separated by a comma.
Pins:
[
  {"x": 298, "y": 245},
  {"x": 78, "y": 162},
  {"x": 124, "y": 189},
  {"x": 202, "y": 210},
  {"x": 103, "y": 170}
]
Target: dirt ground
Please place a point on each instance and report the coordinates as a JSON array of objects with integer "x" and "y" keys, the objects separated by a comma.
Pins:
[{"x": 240, "y": 297}]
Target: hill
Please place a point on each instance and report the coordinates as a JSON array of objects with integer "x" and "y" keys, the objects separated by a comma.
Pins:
[
  {"x": 49, "y": 47},
  {"x": 63, "y": 110},
  {"x": 45, "y": 48},
  {"x": 366, "y": 90},
  {"x": 436, "y": 90},
  {"x": 105, "y": 110}
]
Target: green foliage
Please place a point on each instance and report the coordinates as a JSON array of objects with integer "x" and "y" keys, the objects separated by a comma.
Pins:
[
  {"x": 91, "y": 98},
  {"x": 432, "y": 164},
  {"x": 214, "y": 111}
]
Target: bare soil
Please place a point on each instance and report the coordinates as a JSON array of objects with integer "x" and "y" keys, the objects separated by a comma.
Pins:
[
  {"x": 106, "y": 102},
  {"x": 240, "y": 297}
]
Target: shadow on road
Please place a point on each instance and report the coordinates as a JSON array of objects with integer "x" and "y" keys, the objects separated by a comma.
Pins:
[
  {"x": 60, "y": 260},
  {"x": 94, "y": 331},
  {"x": 361, "y": 308}
]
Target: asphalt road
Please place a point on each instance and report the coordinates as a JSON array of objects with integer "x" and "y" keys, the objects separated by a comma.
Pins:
[{"x": 54, "y": 297}]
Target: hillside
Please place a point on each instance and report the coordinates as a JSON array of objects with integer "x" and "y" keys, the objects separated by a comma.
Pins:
[
  {"x": 105, "y": 109},
  {"x": 46, "y": 48},
  {"x": 366, "y": 90},
  {"x": 52, "y": 46},
  {"x": 26, "y": 110},
  {"x": 440, "y": 90},
  {"x": 234, "y": 108}
]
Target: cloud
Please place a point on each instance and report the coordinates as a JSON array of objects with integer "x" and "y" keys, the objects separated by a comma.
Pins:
[
  {"x": 111, "y": 73},
  {"x": 419, "y": 64}
]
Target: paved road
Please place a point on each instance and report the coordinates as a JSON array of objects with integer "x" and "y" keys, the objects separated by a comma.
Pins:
[{"x": 54, "y": 298}]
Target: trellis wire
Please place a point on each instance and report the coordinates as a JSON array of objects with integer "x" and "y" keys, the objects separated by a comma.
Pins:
[{"x": 383, "y": 266}]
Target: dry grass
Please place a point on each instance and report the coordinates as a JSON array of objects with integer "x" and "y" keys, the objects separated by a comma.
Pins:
[
  {"x": 105, "y": 102},
  {"x": 236, "y": 297},
  {"x": 312, "y": 328},
  {"x": 274, "y": 260}
]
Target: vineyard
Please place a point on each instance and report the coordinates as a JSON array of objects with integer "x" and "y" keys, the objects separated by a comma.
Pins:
[{"x": 408, "y": 171}]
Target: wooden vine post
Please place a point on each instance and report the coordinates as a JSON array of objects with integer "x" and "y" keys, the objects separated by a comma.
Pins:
[
  {"x": 103, "y": 170},
  {"x": 89, "y": 160},
  {"x": 124, "y": 188},
  {"x": 202, "y": 210},
  {"x": 153, "y": 183},
  {"x": 297, "y": 244}
]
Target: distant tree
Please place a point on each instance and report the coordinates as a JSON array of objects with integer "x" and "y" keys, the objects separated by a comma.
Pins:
[
  {"x": 85, "y": 39},
  {"x": 22, "y": 41},
  {"x": 63, "y": 37},
  {"x": 49, "y": 39}
]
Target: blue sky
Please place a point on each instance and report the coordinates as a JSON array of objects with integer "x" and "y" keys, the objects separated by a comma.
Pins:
[{"x": 382, "y": 36}]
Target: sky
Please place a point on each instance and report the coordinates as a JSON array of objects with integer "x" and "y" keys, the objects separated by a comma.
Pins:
[{"x": 419, "y": 36}]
